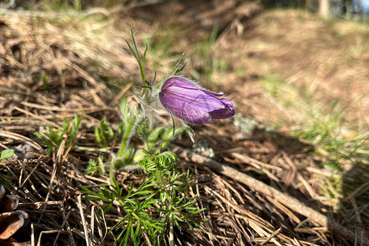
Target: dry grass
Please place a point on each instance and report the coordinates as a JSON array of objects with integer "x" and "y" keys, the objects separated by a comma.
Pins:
[
  {"x": 324, "y": 60},
  {"x": 53, "y": 66}
]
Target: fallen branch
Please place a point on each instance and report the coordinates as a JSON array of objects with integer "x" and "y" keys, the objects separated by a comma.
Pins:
[{"x": 267, "y": 190}]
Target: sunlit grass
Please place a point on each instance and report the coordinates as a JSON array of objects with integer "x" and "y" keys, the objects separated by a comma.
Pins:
[
  {"x": 322, "y": 126},
  {"x": 209, "y": 67},
  {"x": 341, "y": 150}
]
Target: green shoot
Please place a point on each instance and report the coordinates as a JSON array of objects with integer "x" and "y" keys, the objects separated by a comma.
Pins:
[
  {"x": 95, "y": 167},
  {"x": 103, "y": 134},
  {"x": 53, "y": 138}
]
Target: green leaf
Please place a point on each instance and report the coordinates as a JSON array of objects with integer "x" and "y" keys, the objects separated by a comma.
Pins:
[
  {"x": 97, "y": 135},
  {"x": 169, "y": 135},
  {"x": 53, "y": 138},
  {"x": 153, "y": 138},
  {"x": 191, "y": 133},
  {"x": 173, "y": 71},
  {"x": 179, "y": 69},
  {"x": 121, "y": 128},
  {"x": 156, "y": 134},
  {"x": 5, "y": 154},
  {"x": 128, "y": 155},
  {"x": 110, "y": 132},
  {"x": 103, "y": 125},
  {"x": 45, "y": 84},
  {"x": 107, "y": 207}
]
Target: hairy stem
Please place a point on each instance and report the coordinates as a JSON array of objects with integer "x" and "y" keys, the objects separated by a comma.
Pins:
[
  {"x": 125, "y": 143},
  {"x": 127, "y": 136}
]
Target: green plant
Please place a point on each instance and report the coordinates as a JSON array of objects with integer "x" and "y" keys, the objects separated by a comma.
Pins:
[
  {"x": 323, "y": 127},
  {"x": 159, "y": 203},
  {"x": 95, "y": 167},
  {"x": 103, "y": 134},
  {"x": 203, "y": 48},
  {"x": 162, "y": 201},
  {"x": 53, "y": 138},
  {"x": 211, "y": 66},
  {"x": 6, "y": 154}
]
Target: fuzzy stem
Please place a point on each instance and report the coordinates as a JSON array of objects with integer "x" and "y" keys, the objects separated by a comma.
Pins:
[
  {"x": 111, "y": 173},
  {"x": 127, "y": 136},
  {"x": 125, "y": 143}
]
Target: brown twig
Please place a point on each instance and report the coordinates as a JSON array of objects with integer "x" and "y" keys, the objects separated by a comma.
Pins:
[{"x": 267, "y": 190}]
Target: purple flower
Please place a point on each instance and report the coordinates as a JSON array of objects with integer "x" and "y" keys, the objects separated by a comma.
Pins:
[{"x": 193, "y": 104}]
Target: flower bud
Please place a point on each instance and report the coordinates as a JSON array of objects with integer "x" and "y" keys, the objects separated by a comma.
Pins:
[{"x": 192, "y": 103}]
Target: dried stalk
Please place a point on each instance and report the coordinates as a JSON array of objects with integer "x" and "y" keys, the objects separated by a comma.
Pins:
[{"x": 267, "y": 190}]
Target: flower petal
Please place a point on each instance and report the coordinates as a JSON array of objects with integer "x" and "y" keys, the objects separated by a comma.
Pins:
[
  {"x": 224, "y": 113},
  {"x": 219, "y": 94},
  {"x": 190, "y": 102},
  {"x": 196, "y": 97},
  {"x": 187, "y": 84},
  {"x": 184, "y": 109}
]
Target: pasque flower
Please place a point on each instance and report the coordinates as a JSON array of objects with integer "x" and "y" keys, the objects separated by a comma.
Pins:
[{"x": 192, "y": 103}]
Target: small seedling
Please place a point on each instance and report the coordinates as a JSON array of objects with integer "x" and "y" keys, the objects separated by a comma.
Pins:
[
  {"x": 104, "y": 134},
  {"x": 95, "y": 167},
  {"x": 53, "y": 138}
]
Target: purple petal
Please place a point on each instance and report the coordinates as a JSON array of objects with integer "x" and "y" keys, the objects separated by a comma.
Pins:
[
  {"x": 213, "y": 93},
  {"x": 189, "y": 102},
  {"x": 187, "y": 84},
  {"x": 179, "y": 82},
  {"x": 224, "y": 113},
  {"x": 184, "y": 109},
  {"x": 196, "y": 98}
]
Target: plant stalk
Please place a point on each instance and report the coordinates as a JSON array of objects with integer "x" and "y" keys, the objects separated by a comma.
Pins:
[{"x": 127, "y": 136}]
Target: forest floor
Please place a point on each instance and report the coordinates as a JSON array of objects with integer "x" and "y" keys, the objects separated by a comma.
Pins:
[{"x": 297, "y": 145}]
